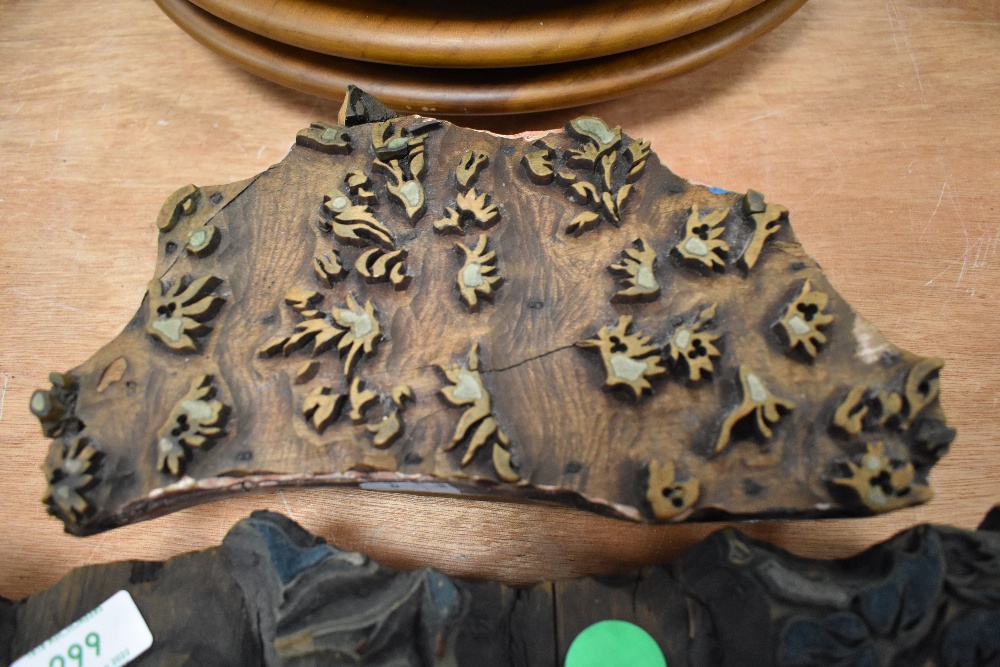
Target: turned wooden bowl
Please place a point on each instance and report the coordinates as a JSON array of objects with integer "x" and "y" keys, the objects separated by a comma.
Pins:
[{"x": 479, "y": 90}]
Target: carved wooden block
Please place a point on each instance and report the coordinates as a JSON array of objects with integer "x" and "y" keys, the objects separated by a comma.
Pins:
[
  {"x": 407, "y": 304},
  {"x": 273, "y": 595}
]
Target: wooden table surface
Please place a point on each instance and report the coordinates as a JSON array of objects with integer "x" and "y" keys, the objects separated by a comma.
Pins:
[{"x": 877, "y": 124}]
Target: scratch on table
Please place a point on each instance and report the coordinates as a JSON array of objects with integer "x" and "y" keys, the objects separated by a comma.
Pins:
[
  {"x": 833, "y": 154},
  {"x": 288, "y": 508},
  {"x": 934, "y": 212},
  {"x": 90, "y": 558},
  {"x": 812, "y": 195},
  {"x": 3, "y": 396},
  {"x": 762, "y": 116},
  {"x": 964, "y": 259},
  {"x": 906, "y": 40},
  {"x": 961, "y": 216}
]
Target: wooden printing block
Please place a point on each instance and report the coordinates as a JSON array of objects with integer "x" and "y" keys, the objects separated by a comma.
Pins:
[
  {"x": 404, "y": 304},
  {"x": 273, "y": 594}
]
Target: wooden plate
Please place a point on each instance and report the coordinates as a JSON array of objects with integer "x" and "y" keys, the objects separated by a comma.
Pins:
[
  {"x": 485, "y": 91},
  {"x": 450, "y": 33}
]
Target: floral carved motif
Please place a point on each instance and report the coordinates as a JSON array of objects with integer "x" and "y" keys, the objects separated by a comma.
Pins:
[
  {"x": 636, "y": 272},
  {"x": 467, "y": 389},
  {"x": 180, "y": 313},
  {"x": 70, "y": 469},
  {"x": 608, "y": 172},
  {"x": 195, "y": 422},
  {"x": 629, "y": 359}
]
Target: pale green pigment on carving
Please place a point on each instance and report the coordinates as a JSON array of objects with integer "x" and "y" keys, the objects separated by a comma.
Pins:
[
  {"x": 626, "y": 368},
  {"x": 596, "y": 127},
  {"x": 644, "y": 277},
  {"x": 170, "y": 328},
  {"x": 199, "y": 410},
  {"x": 467, "y": 389},
  {"x": 472, "y": 275},
  {"x": 682, "y": 338},
  {"x": 798, "y": 325},
  {"x": 411, "y": 191},
  {"x": 757, "y": 391},
  {"x": 361, "y": 324},
  {"x": 696, "y": 246},
  {"x": 396, "y": 143}
]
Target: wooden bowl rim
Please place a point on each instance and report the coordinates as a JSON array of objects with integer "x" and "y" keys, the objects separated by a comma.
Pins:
[
  {"x": 478, "y": 92},
  {"x": 433, "y": 35}
]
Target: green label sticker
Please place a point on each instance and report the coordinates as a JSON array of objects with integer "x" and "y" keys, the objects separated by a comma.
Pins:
[{"x": 614, "y": 644}]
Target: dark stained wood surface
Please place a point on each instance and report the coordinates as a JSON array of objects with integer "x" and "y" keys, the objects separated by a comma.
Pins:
[
  {"x": 873, "y": 123},
  {"x": 714, "y": 373},
  {"x": 274, "y": 594}
]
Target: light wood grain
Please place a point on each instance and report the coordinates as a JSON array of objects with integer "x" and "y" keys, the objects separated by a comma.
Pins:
[{"x": 874, "y": 123}]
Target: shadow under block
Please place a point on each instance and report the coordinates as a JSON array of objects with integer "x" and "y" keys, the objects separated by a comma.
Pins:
[
  {"x": 273, "y": 595},
  {"x": 405, "y": 304}
]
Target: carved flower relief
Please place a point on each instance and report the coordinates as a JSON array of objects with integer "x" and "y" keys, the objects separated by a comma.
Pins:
[
  {"x": 469, "y": 204},
  {"x": 195, "y": 422},
  {"x": 636, "y": 272},
  {"x": 629, "y": 359},
  {"x": 692, "y": 349},
  {"x": 390, "y": 428},
  {"x": 322, "y": 407},
  {"x": 476, "y": 277},
  {"x": 203, "y": 241},
  {"x": 401, "y": 156},
  {"x": 55, "y": 407},
  {"x": 328, "y": 268},
  {"x": 353, "y": 223},
  {"x": 668, "y": 497},
  {"x": 866, "y": 409},
  {"x": 599, "y": 159},
  {"x": 326, "y": 138},
  {"x": 701, "y": 243},
  {"x": 759, "y": 402},
  {"x": 180, "y": 313},
  {"x": 378, "y": 265},
  {"x": 70, "y": 470},
  {"x": 881, "y": 624},
  {"x": 182, "y": 203},
  {"x": 467, "y": 388},
  {"x": 362, "y": 331},
  {"x": 882, "y": 484},
  {"x": 599, "y": 140},
  {"x": 469, "y": 166},
  {"x": 354, "y": 329},
  {"x": 766, "y": 220},
  {"x": 800, "y": 325}
]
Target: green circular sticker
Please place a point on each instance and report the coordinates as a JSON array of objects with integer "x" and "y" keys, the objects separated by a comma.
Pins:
[{"x": 614, "y": 644}]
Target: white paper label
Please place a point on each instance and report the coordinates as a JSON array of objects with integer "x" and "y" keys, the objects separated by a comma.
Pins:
[{"x": 112, "y": 635}]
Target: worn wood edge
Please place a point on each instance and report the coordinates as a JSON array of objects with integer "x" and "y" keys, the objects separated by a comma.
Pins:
[
  {"x": 433, "y": 36},
  {"x": 478, "y": 92}
]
